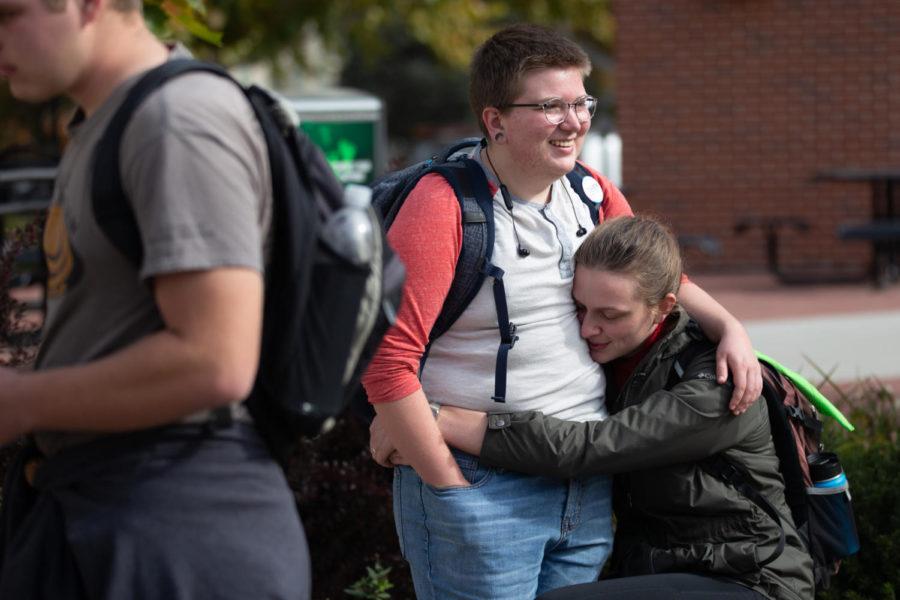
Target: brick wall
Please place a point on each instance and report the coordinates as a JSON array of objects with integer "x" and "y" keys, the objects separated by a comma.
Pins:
[{"x": 728, "y": 109}]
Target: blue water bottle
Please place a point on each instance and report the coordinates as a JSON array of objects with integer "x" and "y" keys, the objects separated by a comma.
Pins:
[
  {"x": 825, "y": 470},
  {"x": 831, "y": 509}
]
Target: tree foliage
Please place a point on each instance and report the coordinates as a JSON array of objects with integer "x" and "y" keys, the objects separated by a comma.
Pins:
[
  {"x": 412, "y": 53},
  {"x": 263, "y": 29},
  {"x": 169, "y": 17}
]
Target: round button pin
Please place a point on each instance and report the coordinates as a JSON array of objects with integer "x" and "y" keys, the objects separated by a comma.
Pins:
[{"x": 592, "y": 189}]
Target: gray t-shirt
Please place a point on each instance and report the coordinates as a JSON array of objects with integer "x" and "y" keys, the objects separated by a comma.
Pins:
[{"x": 195, "y": 169}]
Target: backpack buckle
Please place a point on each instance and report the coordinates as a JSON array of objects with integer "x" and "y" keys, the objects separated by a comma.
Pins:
[
  {"x": 512, "y": 338},
  {"x": 794, "y": 412}
]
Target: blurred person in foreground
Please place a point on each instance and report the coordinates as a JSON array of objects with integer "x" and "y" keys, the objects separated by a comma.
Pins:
[
  {"x": 145, "y": 476},
  {"x": 469, "y": 531}
]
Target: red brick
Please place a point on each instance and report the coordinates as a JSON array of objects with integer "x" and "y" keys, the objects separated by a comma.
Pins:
[{"x": 728, "y": 109}]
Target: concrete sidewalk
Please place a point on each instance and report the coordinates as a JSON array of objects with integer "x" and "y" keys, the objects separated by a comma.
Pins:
[{"x": 850, "y": 331}]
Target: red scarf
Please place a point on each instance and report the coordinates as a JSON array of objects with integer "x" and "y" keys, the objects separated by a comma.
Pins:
[{"x": 620, "y": 369}]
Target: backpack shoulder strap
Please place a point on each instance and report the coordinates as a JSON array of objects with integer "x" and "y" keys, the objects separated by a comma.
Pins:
[
  {"x": 112, "y": 210},
  {"x": 447, "y": 153},
  {"x": 787, "y": 421},
  {"x": 470, "y": 186},
  {"x": 576, "y": 180},
  {"x": 724, "y": 470}
]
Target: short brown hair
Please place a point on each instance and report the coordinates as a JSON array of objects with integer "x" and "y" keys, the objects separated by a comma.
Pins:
[
  {"x": 640, "y": 246},
  {"x": 500, "y": 63}
]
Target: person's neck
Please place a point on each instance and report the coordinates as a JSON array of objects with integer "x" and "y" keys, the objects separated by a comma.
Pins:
[
  {"x": 524, "y": 186},
  {"x": 620, "y": 369},
  {"x": 120, "y": 51}
]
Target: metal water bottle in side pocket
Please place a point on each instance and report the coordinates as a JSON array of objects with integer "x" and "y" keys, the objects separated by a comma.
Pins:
[{"x": 831, "y": 508}]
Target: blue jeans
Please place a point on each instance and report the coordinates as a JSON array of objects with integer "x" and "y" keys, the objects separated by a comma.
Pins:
[{"x": 508, "y": 535}]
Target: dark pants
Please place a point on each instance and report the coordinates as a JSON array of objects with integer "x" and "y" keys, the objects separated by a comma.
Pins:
[
  {"x": 666, "y": 586},
  {"x": 176, "y": 514}
]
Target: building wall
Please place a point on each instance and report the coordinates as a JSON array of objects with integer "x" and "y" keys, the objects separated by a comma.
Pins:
[{"x": 729, "y": 108}]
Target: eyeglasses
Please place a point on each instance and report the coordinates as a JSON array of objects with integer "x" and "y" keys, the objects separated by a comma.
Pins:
[{"x": 556, "y": 109}]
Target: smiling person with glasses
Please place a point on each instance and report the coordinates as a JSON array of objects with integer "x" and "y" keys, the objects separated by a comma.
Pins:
[{"x": 467, "y": 530}]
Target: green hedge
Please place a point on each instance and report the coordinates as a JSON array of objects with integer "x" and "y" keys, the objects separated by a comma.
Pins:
[{"x": 345, "y": 503}]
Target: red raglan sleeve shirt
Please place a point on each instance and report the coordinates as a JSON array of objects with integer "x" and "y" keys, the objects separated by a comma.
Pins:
[{"x": 427, "y": 236}]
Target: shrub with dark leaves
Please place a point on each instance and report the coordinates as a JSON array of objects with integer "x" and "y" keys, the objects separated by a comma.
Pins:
[
  {"x": 871, "y": 459},
  {"x": 345, "y": 503},
  {"x": 19, "y": 324}
]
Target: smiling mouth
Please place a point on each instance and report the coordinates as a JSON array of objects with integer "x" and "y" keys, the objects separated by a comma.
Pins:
[
  {"x": 6, "y": 70},
  {"x": 563, "y": 143},
  {"x": 597, "y": 347}
]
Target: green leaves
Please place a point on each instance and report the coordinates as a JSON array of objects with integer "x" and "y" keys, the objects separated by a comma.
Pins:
[
  {"x": 250, "y": 30},
  {"x": 168, "y": 17},
  {"x": 374, "y": 585}
]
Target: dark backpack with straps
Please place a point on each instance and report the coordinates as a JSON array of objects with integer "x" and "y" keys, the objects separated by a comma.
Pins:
[
  {"x": 823, "y": 516},
  {"x": 324, "y": 314},
  {"x": 472, "y": 191}
]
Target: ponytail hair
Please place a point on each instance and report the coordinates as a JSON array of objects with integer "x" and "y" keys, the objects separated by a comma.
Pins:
[{"x": 640, "y": 246}]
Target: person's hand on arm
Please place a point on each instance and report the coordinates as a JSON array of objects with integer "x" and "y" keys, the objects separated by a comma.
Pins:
[
  {"x": 205, "y": 356},
  {"x": 407, "y": 426},
  {"x": 461, "y": 428},
  {"x": 735, "y": 350}
]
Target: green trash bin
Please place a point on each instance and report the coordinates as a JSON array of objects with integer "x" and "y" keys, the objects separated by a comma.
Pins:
[{"x": 348, "y": 125}]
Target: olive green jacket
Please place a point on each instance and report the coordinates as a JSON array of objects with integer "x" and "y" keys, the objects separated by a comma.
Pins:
[{"x": 671, "y": 515}]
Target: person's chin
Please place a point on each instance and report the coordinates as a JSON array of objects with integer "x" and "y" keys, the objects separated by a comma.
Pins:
[
  {"x": 29, "y": 93},
  {"x": 559, "y": 167},
  {"x": 600, "y": 356}
]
